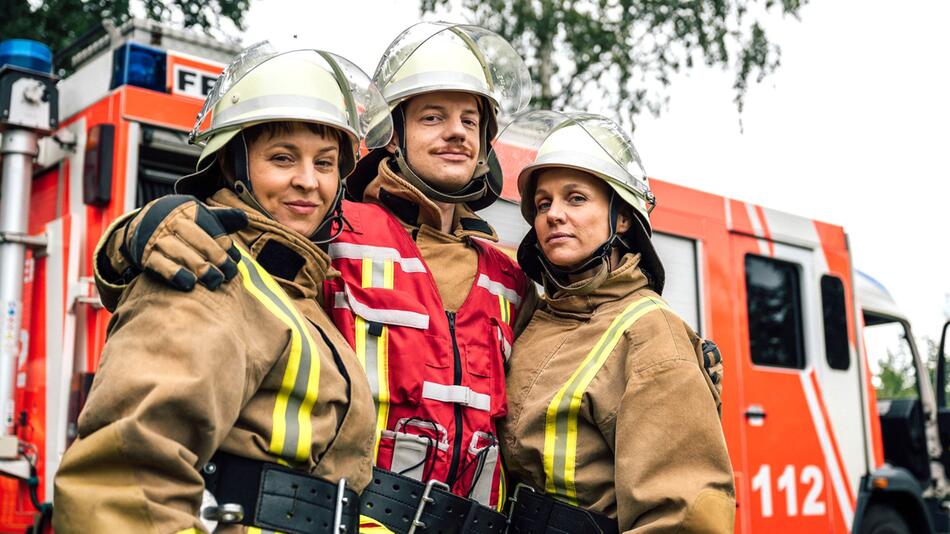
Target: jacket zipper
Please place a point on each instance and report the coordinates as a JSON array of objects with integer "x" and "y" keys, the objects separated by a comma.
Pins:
[{"x": 457, "y": 449}]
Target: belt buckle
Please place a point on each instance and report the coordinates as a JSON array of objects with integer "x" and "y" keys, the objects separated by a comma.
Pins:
[
  {"x": 341, "y": 501},
  {"x": 417, "y": 520},
  {"x": 514, "y": 499}
]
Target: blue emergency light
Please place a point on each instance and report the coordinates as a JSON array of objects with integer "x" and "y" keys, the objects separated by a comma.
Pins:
[
  {"x": 138, "y": 65},
  {"x": 26, "y": 54}
]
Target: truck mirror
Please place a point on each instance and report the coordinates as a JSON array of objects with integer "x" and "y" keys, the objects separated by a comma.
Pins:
[{"x": 942, "y": 368}]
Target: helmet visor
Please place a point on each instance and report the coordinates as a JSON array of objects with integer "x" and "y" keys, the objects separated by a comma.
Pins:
[
  {"x": 503, "y": 75},
  {"x": 583, "y": 141},
  {"x": 364, "y": 113}
]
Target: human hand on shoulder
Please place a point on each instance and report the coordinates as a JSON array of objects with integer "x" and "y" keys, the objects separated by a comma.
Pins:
[{"x": 181, "y": 241}]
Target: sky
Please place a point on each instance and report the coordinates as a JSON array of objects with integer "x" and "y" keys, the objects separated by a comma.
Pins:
[{"x": 852, "y": 129}]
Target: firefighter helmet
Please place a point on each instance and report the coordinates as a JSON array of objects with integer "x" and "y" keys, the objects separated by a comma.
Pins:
[
  {"x": 439, "y": 56},
  {"x": 266, "y": 83},
  {"x": 592, "y": 144}
]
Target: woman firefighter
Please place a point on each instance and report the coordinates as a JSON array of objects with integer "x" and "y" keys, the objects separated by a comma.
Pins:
[
  {"x": 612, "y": 419},
  {"x": 241, "y": 409}
]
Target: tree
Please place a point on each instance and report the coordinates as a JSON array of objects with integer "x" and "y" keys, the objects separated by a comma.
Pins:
[
  {"x": 624, "y": 47},
  {"x": 57, "y": 23},
  {"x": 897, "y": 378}
]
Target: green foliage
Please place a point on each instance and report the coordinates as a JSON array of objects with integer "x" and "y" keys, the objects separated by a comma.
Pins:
[
  {"x": 624, "y": 47},
  {"x": 897, "y": 378},
  {"x": 60, "y": 22}
]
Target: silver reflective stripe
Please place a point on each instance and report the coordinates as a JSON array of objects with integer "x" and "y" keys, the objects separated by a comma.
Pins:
[
  {"x": 579, "y": 160},
  {"x": 499, "y": 289},
  {"x": 444, "y": 81},
  {"x": 389, "y": 317},
  {"x": 456, "y": 394},
  {"x": 321, "y": 108},
  {"x": 352, "y": 251},
  {"x": 505, "y": 346}
]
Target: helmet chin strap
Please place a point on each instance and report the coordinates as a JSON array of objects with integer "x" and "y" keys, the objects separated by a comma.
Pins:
[
  {"x": 475, "y": 189},
  {"x": 559, "y": 276},
  {"x": 237, "y": 149},
  {"x": 243, "y": 188}
]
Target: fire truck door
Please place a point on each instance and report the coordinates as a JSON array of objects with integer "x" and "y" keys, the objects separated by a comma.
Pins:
[{"x": 787, "y": 482}]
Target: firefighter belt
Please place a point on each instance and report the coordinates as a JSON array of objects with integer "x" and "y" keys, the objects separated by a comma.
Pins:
[
  {"x": 273, "y": 497},
  {"x": 407, "y": 506},
  {"x": 533, "y": 512}
]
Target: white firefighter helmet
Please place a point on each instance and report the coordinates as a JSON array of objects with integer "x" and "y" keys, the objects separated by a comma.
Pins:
[
  {"x": 268, "y": 83},
  {"x": 440, "y": 56},
  {"x": 593, "y": 144}
]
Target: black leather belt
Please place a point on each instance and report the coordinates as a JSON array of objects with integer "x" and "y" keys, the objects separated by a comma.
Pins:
[
  {"x": 270, "y": 496},
  {"x": 533, "y": 512},
  {"x": 407, "y": 506}
]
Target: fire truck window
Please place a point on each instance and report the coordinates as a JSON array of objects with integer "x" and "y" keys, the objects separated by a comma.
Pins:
[
  {"x": 680, "y": 259},
  {"x": 164, "y": 157},
  {"x": 775, "y": 312},
  {"x": 890, "y": 358},
  {"x": 836, "y": 323}
]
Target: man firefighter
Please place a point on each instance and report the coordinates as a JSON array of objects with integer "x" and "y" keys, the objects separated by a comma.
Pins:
[{"x": 427, "y": 304}]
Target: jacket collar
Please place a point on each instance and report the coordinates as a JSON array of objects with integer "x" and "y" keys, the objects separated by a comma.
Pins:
[
  {"x": 414, "y": 209},
  {"x": 622, "y": 281},
  {"x": 282, "y": 252}
]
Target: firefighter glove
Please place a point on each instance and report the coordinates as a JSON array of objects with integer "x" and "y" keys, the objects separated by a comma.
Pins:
[
  {"x": 712, "y": 360},
  {"x": 182, "y": 241}
]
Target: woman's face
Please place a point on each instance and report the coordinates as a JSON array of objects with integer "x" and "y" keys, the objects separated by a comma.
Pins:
[
  {"x": 572, "y": 211},
  {"x": 295, "y": 176}
]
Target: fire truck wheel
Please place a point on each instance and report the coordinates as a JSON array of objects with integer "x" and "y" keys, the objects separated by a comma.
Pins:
[{"x": 882, "y": 519}]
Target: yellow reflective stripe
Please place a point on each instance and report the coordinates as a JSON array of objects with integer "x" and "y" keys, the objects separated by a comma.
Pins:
[
  {"x": 191, "y": 530},
  {"x": 360, "y": 340},
  {"x": 502, "y": 488},
  {"x": 382, "y": 366},
  {"x": 258, "y": 530},
  {"x": 561, "y": 418},
  {"x": 368, "y": 525},
  {"x": 297, "y": 395},
  {"x": 373, "y": 352},
  {"x": 503, "y": 304},
  {"x": 367, "y": 272}
]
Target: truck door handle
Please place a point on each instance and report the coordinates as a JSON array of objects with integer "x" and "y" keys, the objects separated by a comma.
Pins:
[{"x": 755, "y": 414}]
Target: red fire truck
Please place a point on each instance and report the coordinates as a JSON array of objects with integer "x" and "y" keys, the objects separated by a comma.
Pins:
[{"x": 813, "y": 448}]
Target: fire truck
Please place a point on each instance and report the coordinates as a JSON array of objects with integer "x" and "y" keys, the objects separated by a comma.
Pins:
[{"x": 813, "y": 448}]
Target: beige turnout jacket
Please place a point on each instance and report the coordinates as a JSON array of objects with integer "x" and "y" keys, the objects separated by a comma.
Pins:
[
  {"x": 610, "y": 409},
  {"x": 254, "y": 368}
]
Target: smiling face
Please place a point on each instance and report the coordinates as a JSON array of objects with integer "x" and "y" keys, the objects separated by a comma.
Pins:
[
  {"x": 295, "y": 174},
  {"x": 442, "y": 138},
  {"x": 572, "y": 212}
]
